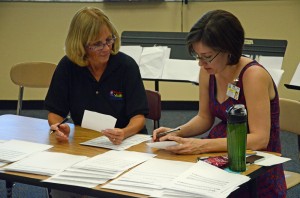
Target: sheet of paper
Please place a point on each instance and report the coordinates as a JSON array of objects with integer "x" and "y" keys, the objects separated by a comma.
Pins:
[
  {"x": 97, "y": 121},
  {"x": 206, "y": 180},
  {"x": 161, "y": 145},
  {"x": 153, "y": 60},
  {"x": 99, "y": 169},
  {"x": 176, "y": 69},
  {"x": 104, "y": 142},
  {"x": 114, "y": 160},
  {"x": 270, "y": 159},
  {"x": 273, "y": 62},
  {"x": 70, "y": 181},
  {"x": 296, "y": 77},
  {"x": 45, "y": 163},
  {"x": 276, "y": 74},
  {"x": 134, "y": 51},
  {"x": 14, "y": 150},
  {"x": 156, "y": 174}
]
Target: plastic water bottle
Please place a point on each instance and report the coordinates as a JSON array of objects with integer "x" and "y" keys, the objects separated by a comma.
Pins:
[{"x": 237, "y": 137}]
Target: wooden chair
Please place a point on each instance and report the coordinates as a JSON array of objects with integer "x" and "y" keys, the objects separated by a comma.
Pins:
[
  {"x": 289, "y": 121},
  {"x": 33, "y": 75},
  {"x": 154, "y": 104}
]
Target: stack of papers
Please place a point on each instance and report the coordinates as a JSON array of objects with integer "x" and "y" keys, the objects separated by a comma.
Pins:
[
  {"x": 2, "y": 163},
  {"x": 45, "y": 163},
  {"x": 152, "y": 175},
  {"x": 167, "y": 178},
  {"x": 155, "y": 63},
  {"x": 104, "y": 142},
  {"x": 14, "y": 150},
  {"x": 99, "y": 169},
  {"x": 203, "y": 180}
]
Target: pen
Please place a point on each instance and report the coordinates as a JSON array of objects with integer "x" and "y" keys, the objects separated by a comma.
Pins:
[
  {"x": 167, "y": 132},
  {"x": 65, "y": 120}
]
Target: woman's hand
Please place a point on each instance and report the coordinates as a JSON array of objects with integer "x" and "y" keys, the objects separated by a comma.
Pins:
[
  {"x": 186, "y": 145},
  {"x": 61, "y": 132},
  {"x": 116, "y": 135},
  {"x": 161, "y": 130}
]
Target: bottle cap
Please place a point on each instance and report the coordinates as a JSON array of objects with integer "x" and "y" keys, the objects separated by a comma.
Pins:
[{"x": 236, "y": 114}]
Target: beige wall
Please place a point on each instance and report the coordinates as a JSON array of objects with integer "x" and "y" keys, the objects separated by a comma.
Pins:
[{"x": 36, "y": 32}]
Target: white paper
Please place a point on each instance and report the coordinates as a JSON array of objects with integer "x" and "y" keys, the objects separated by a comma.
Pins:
[
  {"x": 296, "y": 77},
  {"x": 273, "y": 62},
  {"x": 176, "y": 69},
  {"x": 99, "y": 169},
  {"x": 207, "y": 180},
  {"x": 14, "y": 150},
  {"x": 153, "y": 60},
  {"x": 276, "y": 74},
  {"x": 134, "y": 51},
  {"x": 70, "y": 181},
  {"x": 156, "y": 173},
  {"x": 161, "y": 145},
  {"x": 45, "y": 163},
  {"x": 114, "y": 160},
  {"x": 104, "y": 142},
  {"x": 97, "y": 121},
  {"x": 270, "y": 159}
]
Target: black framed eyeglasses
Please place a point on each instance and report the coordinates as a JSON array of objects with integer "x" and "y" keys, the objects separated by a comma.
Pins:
[
  {"x": 204, "y": 59},
  {"x": 98, "y": 46}
]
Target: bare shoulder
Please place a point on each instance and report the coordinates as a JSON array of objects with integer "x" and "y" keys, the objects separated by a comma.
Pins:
[{"x": 257, "y": 74}]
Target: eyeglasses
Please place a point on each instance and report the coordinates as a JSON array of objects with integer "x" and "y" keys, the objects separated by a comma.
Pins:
[
  {"x": 204, "y": 59},
  {"x": 98, "y": 46}
]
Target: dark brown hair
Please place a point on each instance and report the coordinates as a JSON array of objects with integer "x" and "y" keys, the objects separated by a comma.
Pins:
[{"x": 221, "y": 31}]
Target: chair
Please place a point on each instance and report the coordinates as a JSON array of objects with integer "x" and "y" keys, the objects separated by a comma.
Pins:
[
  {"x": 154, "y": 104},
  {"x": 33, "y": 75},
  {"x": 289, "y": 121}
]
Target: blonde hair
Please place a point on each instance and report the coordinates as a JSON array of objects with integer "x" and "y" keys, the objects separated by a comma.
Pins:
[{"x": 84, "y": 28}]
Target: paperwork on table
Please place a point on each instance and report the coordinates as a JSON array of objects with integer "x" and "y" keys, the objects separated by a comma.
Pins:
[
  {"x": 152, "y": 175},
  {"x": 45, "y": 163},
  {"x": 101, "y": 168},
  {"x": 14, "y": 150},
  {"x": 104, "y": 142}
]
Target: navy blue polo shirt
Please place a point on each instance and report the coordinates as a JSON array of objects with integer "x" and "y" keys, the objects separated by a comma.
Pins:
[{"x": 120, "y": 92}]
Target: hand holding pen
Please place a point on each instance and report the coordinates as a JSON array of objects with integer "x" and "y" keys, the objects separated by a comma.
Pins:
[
  {"x": 62, "y": 122},
  {"x": 159, "y": 135}
]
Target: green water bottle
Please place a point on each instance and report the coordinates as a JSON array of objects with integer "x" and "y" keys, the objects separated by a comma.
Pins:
[{"x": 237, "y": 137}]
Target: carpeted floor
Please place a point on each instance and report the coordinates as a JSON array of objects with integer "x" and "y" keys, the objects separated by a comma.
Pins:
[{"x": 169, "y": 119}]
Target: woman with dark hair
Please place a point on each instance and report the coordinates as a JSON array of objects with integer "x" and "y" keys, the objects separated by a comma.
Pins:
[{"x": 227, "y": 78}]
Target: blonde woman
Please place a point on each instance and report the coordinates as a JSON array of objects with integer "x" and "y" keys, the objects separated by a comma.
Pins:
[{"x": 95, "y": 76}]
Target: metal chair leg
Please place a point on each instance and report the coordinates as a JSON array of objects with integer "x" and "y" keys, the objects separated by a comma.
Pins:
[
  {"x": 9, "y": 188},
  {"x": 49, "y": 193}
]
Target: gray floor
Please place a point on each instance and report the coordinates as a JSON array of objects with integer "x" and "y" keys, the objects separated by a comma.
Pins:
[{"x": 170, "y": 119}]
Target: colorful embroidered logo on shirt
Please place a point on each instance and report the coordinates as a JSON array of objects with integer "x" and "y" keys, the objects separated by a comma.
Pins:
[{"x": 116, "y": 95}]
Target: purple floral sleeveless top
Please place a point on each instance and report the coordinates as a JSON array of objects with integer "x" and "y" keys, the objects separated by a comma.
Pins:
[{"x": 272, "y": 183}]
